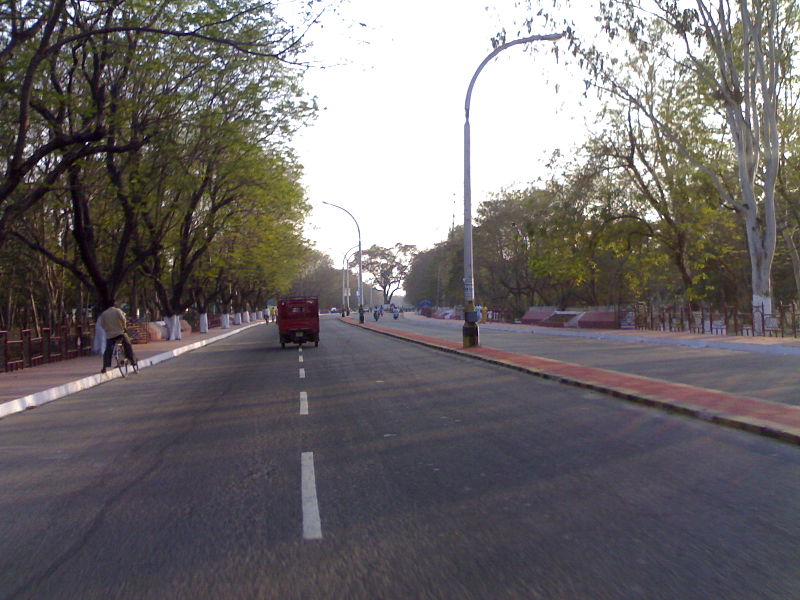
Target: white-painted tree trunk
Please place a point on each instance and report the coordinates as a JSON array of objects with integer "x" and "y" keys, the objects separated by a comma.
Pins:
[
  {"x": 173, "y": 324},
  {"x": 168, "y": 327},
  {"x": 99, "y": 341},
  {"x": 245, "y": 317},
  {"x": 759, "y": 315},
  {"x": 225, "y": 321},
  {"x": 203, "y": 322},
  {"x": 237, "y": 318}
]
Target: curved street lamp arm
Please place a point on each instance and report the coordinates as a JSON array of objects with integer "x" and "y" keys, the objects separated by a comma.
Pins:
[
  {"x": 360, "y": 277},
  {"x": 550, "y": 37},
  {"x": 349, "y": 213},
  {"x": 470, "y": 329}
]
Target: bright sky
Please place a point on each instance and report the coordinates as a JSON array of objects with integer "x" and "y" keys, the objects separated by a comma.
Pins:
[{"x": 388, "y": 144}]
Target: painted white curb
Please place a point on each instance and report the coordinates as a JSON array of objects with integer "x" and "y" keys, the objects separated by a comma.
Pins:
[{"x": 41, "y": 398}]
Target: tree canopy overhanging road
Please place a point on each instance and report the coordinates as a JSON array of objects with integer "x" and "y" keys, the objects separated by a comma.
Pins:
[
  {"x": 369, "y": 467},
  {"x": 148, "y": 154}
]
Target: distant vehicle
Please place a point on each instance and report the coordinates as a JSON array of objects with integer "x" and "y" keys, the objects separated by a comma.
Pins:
[
  {"x": 298, "y": 320},
  {"x": 334, "y": 309}
]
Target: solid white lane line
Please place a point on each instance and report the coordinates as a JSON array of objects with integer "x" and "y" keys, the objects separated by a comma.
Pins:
[
  {"x": 302, "y": 373},
  {"x": 312, "y": 526},
  {"x": 303, "y": 403}
]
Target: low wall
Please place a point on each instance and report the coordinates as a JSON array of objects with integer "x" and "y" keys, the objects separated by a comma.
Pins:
[
  {"x": 598, "y": 320},
  {"x": 590, "y": 319},
  {"x": 536, "y": 316}
]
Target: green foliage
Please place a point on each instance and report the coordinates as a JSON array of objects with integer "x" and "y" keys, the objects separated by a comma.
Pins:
[
  {"x": 158, "y": 135},
  {"x": 436, "y": 274},
  {"x": 388, "y": 267}
]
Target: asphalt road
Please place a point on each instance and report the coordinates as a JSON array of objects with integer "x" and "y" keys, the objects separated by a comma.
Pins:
[
  {"x": 765, "y": 376},
  {"x": 414, "y": 474}
]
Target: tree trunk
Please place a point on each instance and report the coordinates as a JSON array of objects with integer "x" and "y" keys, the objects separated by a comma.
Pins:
[
  {"x": 99, "y": 342},
  {"x": 795, "y": 256},
  {"x": 761, "y": 246},
  {"x": 173, "y": 323}
]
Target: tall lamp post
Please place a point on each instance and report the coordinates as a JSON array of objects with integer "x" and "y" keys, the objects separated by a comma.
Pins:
[
  {"x": 470, "y": 329},
  {"x": 360, "y": 286},
  {"x": 346, "y": 285}
]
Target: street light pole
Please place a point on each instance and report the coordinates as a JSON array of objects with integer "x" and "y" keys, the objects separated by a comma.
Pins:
[
  {"x": 346, "y": 286},
  {"x": 470, "y": 329},
  {"x": 360, "y": 286}
]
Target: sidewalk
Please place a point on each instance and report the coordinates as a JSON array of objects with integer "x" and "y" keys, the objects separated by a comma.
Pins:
[
  {"x": 35, "y": 386},
  {"x": 763, "y": 417}
]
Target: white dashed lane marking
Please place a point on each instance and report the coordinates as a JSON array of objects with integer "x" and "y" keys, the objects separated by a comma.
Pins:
[{"x": 312, "y": 526}]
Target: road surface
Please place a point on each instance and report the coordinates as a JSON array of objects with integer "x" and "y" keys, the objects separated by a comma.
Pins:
[{"x": 373, "y": 468}]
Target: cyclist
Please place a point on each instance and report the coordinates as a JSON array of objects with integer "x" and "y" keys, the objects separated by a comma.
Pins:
[{"x": 112, "y": 320}]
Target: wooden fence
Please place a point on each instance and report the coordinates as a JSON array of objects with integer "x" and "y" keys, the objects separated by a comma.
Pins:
[
  {"x": 23, "y": 349},
  {"x": 59, "y": 343}
]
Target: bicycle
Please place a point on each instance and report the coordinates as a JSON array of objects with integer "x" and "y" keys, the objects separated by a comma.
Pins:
[{"x": 121, "y": 361}]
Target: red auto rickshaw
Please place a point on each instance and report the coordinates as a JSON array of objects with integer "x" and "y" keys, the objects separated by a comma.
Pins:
[{"x": 298, "y": 320}]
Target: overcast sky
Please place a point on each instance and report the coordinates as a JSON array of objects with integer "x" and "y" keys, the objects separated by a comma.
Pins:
[{"x": 388, "y": 143}]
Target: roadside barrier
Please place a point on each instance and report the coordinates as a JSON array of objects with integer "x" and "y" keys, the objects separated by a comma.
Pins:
[
  {"x": 62, "y": 342},
  {"x": 59, "y": 343}
]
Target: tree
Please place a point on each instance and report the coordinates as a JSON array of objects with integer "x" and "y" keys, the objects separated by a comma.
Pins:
[
  {"x": 173, "y": 108},
  {"x": 61, "y": 65},
  {"x": 388, "y": 267},
  {"x": 319, "y": 278},
  {"x": 435, "y": 275},
  {"x": 672, "y": 200},
  {"x": 502, "y": 243},
  {"x": 738, "y": 55}
]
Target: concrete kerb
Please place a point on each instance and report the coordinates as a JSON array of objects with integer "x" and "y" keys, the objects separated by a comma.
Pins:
[
  {"x": 779, "y": 432},
  {"x": 44, "y": 397}
]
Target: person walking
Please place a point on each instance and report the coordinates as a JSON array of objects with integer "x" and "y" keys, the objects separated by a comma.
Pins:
[{"x": 113, "y": 322}]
